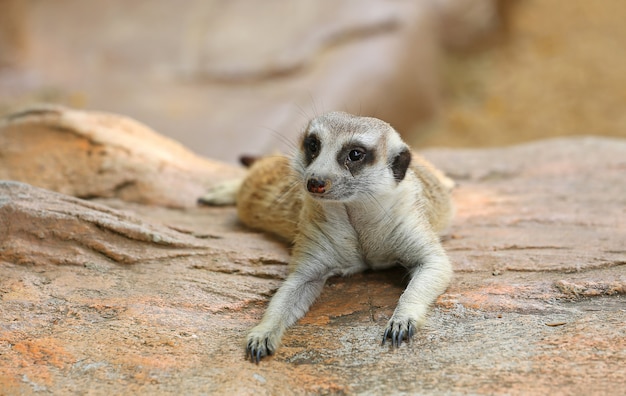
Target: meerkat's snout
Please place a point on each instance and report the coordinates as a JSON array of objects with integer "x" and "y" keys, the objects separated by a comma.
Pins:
[{"x": 317, "y": 186}]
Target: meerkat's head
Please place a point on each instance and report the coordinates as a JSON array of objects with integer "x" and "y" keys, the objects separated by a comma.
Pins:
[{"x": 343, "y": 157}]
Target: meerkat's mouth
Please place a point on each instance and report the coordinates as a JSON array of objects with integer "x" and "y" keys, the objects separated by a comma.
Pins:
[
  {"x": 330, "y": 196},
  {"x": 320, "y": 196},
  {"x": 317, "y": 194}
]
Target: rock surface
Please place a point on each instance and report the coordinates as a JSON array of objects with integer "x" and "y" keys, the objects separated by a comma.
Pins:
[
  {"x": 537, "y": 306},
  {"x": 214, "y": 73},
  {"x": 111, "y": 157}
]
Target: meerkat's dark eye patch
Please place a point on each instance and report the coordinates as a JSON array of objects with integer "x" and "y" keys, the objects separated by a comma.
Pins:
[
  {"x": 311, "y": 146},
  {"x": 354, "y": 157}
]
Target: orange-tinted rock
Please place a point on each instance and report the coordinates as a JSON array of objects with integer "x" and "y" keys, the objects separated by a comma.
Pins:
[
  {"x": 42, "y": 227},
  {"x": 99, "y": 155},
  {"x": 536, "y": 305}
]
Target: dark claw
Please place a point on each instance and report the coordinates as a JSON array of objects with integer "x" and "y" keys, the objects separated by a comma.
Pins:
[
  {"x": 255, "y": 353},
  {"x": 397, "y": 336},
  {"x": 248, "y": 349},
  {"x": 268, "y": 351},
  {"x": 385, "y": 335},
  {"x": 400, "y": 337}
]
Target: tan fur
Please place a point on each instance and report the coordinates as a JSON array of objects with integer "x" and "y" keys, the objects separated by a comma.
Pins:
[
  {"x": 269, "y": 200},
  {"x": 271, "y": 197}
]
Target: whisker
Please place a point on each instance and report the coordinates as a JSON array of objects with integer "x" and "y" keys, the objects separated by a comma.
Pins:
[
  {"x": 284, "y": 139},
  {"x": 316, "y": 113},
  {"x": 307, "y": 117},
  {"x": 373, "y": 198},
  {"x": 285, "y": 193}
]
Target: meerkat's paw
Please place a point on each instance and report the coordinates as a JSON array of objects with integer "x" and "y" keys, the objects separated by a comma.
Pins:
[
  {"x": 399, "y": 328},
  {"x": 260, "y": 343},
  {"x": 222, "y": 194}
]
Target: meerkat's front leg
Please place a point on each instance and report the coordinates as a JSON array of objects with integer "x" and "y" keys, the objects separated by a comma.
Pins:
[
  {"x": 290, "y": 303},
  {"x": 429, "y": 278}
]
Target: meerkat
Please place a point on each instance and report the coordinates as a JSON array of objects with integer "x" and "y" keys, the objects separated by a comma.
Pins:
[{"x": 352, "y": 198}]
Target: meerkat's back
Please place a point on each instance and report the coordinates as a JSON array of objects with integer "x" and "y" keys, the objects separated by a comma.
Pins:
[
  {"x": 437, "y": 192},
  {"x": 270, "y": 197}
]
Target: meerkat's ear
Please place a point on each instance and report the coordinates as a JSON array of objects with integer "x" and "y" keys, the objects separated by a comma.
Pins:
[{"x": 400, "y": 163}]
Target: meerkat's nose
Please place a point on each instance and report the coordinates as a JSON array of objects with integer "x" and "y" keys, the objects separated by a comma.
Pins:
[{"x": 316, "y": 186}]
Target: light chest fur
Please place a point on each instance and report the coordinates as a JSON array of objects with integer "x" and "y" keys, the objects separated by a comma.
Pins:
[{"x": 366, "y": 234}]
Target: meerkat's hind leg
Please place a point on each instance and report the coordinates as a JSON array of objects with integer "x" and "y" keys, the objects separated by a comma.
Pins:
[
  {"x": 225, "y": 193},
  {"x": 222, "y": 194}
]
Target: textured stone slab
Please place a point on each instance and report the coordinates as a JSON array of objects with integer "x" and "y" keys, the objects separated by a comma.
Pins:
[
  {"x": 94, "y": 154},
  {"x": 537, "y": 305}
]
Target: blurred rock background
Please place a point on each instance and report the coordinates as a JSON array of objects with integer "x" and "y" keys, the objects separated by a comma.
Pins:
[{"x": 232, "y": 77}]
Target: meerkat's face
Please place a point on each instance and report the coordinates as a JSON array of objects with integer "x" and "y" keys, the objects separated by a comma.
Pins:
[{"x": 344, "y": 157}]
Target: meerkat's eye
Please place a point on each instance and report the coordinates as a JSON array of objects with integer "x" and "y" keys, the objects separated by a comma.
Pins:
[
  {"x": 356, "y": 155},
  {"x": 312, "y": 145}
]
